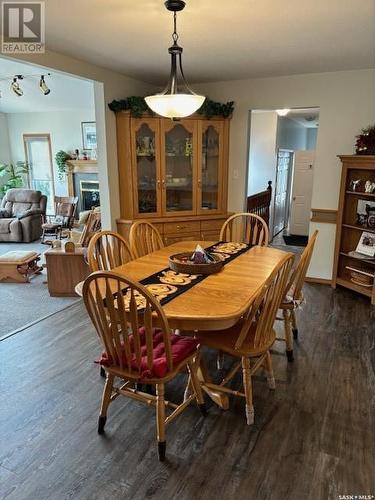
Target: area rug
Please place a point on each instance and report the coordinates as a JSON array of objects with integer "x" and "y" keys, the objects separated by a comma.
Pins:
[
  {"x": 295, "y": 240},
  {"x": 23, "y": 304}
]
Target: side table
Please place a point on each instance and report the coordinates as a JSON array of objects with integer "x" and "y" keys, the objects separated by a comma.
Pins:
[{"x": 65, "y": 271}]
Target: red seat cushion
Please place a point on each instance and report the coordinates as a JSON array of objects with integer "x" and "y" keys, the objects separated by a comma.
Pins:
[{"x": 181, "y": 347}]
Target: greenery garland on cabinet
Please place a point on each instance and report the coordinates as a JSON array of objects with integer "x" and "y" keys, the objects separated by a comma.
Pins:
[
  {"x": 365, "y": 144},
  {"x": 137, "y": 107}
]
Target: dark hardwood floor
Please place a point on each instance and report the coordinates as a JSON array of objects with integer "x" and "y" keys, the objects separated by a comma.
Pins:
[{"x": 313, "y": 438}]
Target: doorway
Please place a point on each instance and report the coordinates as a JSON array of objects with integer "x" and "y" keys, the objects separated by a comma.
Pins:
[
  {"x": 282, "y": 150},
  {"x": 300, "y": 203}
]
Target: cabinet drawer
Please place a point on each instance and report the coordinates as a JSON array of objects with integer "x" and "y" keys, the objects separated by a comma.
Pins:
[
  {"x": 181, "y": 227},
  {"x": 159, "y": 226},
  {"x": 174, "y": 238},
  {"x": 210, "y": 235},
  {"x": 211, "y": 225}
]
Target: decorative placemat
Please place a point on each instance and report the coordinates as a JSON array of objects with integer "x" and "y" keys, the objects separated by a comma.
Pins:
[{"x": 165, "y": 285}]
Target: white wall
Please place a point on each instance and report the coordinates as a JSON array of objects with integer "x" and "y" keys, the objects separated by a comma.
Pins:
[
  {"x": 109, "y": 85},
  {"x": 291, "y": 135},
  {"x": 311, "y": 138},
  {"x": 347, "y": 103},
  {"x": 262, "y": 152},
  {"x": 4, "y": 140},
  {"x": 64, "y": 128}
]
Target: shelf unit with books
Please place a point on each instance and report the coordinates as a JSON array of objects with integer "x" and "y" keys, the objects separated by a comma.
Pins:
[{"x": 356, "y": 215}]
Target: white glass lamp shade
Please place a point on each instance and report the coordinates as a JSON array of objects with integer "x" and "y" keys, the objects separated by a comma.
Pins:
[{"x": 174, "y": 105}]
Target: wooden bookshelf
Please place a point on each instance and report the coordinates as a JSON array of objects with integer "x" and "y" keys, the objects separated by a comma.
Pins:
[{"x": 349, "y": 231}]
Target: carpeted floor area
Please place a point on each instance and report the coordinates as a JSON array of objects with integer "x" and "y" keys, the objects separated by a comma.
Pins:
[
  {"x": 35, "y": 246},
  {"x": 22, "y": 304}
]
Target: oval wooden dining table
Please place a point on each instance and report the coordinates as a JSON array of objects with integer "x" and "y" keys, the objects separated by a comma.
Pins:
[{"x": 217, "y": 302}]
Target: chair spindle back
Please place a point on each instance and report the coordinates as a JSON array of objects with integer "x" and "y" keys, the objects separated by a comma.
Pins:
[
  {"x": 265, "y": 306},
  {"x": 108, "y": 250},
  {"x": 298, "y": 276},
  {"x": 245, "y": 228},
  {"x": 66, "y": 207},
  {"x": 118, "y": 307},
  {"x": 144, "y": 238}
]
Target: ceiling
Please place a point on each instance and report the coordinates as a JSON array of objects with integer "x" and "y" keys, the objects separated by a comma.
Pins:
[
  {"x": 223, "y": 40},
  {"x": 307, "y": 117},
  {"x": 67, "y": 93}
]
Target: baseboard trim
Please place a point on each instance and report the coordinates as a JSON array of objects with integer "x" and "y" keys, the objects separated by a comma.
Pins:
[
  {"x": 324, "y": 215},
  {"x": 320, "y": 281}
]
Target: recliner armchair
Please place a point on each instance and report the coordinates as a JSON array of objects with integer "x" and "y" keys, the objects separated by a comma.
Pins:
[{"x": 21, "y": 214}]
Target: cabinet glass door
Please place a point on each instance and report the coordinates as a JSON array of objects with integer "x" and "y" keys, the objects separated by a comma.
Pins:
[
  {"x": 210, "y": 179},
  {"x": 179, "y": 146},
  {"x": 146, "y": 174}
]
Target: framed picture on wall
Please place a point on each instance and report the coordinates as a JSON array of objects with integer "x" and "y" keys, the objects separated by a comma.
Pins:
[{"x": 89, "y": 135}]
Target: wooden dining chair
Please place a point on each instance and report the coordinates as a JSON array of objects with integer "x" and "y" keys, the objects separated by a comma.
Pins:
[
  {"x": 252, "y": 337},
  {"x": 144, "y": 238},
  {"x": 293, "y": 297},
  {"x": 136, "y": 351},
  {"x": 108, "y": 250},
  {"x": 245, "y": 228}
]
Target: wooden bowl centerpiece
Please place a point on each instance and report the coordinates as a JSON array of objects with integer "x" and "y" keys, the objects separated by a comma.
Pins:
[{"x": 190, "y": 263}]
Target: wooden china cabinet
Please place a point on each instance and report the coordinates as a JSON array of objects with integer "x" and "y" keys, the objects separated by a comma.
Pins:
[{"x": 174, "y": 174}]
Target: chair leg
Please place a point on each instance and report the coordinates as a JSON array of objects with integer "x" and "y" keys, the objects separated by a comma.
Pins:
[
  {"x": 248, "y": 390},
  {"x": 160, "y": 421},
  {"x": 187, "y": 388},
  {"x": 269, "y": 369},
  {"x": 220, "y": 360},
  {"x": 192, "y": 367},
  {"x": 294, "y": 324},
  {"x": 288, "y": 334},
  {"x": 106, "y": 399}
]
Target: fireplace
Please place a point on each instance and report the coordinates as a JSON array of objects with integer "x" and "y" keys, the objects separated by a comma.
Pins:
[
  {"x": 83, "y": 182},
  {"x": 89, "y": 194}
]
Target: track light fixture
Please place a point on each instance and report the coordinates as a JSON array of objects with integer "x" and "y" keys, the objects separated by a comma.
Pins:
[
  {"x": 15, "y": 86},
  {"x": 43, "y": 86},
  {"x": 15, "y": 83}
]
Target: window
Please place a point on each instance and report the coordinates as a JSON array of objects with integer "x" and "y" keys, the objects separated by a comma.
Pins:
[{"x": 39, "y": 157}]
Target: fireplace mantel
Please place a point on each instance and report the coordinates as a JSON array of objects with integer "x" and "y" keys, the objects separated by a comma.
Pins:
[{"x": 79, "y": 166}]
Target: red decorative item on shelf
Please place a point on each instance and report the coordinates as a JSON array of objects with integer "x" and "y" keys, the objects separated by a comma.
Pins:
[{"x": 365, "y": 144}]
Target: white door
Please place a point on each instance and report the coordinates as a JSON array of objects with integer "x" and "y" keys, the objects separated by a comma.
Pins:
[
  {"x": 301, "y": 192},
  {"x": 283, "y": 169}
]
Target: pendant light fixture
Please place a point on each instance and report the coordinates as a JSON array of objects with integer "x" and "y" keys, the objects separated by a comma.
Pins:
[{"x": 177, "y": 99}]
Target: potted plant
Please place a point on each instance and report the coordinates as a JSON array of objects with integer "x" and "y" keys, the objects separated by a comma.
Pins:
[
  {"x": 15, "y": 175},
  {"x": 61, "y": 158}
]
